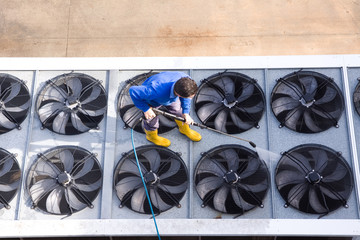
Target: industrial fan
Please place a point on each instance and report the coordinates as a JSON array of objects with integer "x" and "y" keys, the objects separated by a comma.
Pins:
[
  {"x": 14, "y": 102},
  {"x": 71, "y": 104},
  {"x": 356, "y": 97},
  {"x": 64, "y": 180},
  {"x": 230, "y": 102},
  {"x": 164, "y": 173},
  {"x": 10, "y": 175},
  {"x": 314, "y": 179},
  {"x": 231, "y": 179},
  {"x": 131, "y": 115},
  {"x": 307, "y": 102}
]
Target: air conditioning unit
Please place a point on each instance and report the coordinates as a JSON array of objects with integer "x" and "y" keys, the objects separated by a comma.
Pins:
[{"x": 68, "y": 167}]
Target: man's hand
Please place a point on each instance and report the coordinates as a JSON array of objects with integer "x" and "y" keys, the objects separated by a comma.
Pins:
[
  {"x": 188, "y": 119},
  {"x": 149, "y": 114}
]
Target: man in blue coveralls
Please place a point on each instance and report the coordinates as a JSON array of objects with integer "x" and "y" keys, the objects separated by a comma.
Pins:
[{"x": 173, "y": 90}]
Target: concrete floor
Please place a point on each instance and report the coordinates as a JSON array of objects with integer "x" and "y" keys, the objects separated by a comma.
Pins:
[{"x": 146, "y": 28}]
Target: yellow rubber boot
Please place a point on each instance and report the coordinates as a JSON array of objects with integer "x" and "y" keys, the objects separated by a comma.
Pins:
[
  {"x": 153, "y": 137},
  {"x": 185, "y": 129}
]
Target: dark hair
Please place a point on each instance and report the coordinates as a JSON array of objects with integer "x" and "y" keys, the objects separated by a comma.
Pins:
[{"x": 185, "y": 87}]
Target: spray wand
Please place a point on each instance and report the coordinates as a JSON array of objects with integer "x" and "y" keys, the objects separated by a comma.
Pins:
[{"x": 166, "y": 114}]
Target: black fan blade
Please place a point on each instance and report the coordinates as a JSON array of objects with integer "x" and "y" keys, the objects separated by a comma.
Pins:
[
  {"x": 209, "y": 95},
  {"x": 220, "y": 198},
  {"x": 85, "y": 167},
  {"x": 15, "y": 88},
  {"x": 179, "y": 188},
  {"x": 238, "y": 122},
  {"x": 328, "y": 96},
  {"x": 338, "y": 174},
  {"x": 12, "y": 108},
  {"x": 67, "y": 160},
  {"x": 73, "y": 200},
  {"x": 208, "y": 110},
  {"x": 207, "y": 185},
  {"x": 154, "y": 159},
  {"x": 289, "y": 89},
  {"x": 175, "y": 166},
  {"x": 240, "y": 201},
  {"x": 88, "y": 187},
  {"x": 53, "y": 200},
  {"x": 287, "y": 177},
  {"x": 138, "y": 199},
  {"x": 315, "y": 202},
  {"x": 310, "y": 122},
  {"x": 132, "y": 116},
  {"x": 75, "y": 85},
  {"x": 231, "y": 157},
  {"x": 247, "y": 92},
  {"x": 6, "y": 166},
  {"x": 95, "y": 93},
  {"x": 296, "y": 194},
  {"x": 310, "y": 85},
  {"x": 130, "y": 166},
  {"x": 128, "y": 184},
  {"x": 9, "y": 186},
  {"x": 220, "y": 120},
  {"x": 78, "y": 123},
  {"x": 60, "y": 122},
  {"x": 211, "y": 166},
  {"x": 49, "y": 109},
  {"x": 227, "y": 84},
  {"x": 320, "y": 157},
  {"x": 284, "y": 104},
  {"x": 298, "y": 161},
  {"x": 252, "y": 167},
  {"x": 255, "y": 188},
  {"x": 42, "y": 187},
  {"x": 157, "y": 201}
]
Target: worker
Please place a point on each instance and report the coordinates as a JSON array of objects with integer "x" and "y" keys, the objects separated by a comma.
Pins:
[{"x": 174, "y": 91}]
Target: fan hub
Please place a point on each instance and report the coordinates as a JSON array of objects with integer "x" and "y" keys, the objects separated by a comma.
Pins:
[
  {"x": 307, "y": 100},
  {"x": 229, "y": 100},
  {"x": 72, "y": 102},
  {"x": 64, "y": 179},
  {"x": 313, "y": 177},
  {"x": 151, "y": 177},
  {"x": 231, "y": 177}
]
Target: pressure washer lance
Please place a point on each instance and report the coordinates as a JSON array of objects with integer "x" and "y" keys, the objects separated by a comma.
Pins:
[{"x": 166, "y": 114}]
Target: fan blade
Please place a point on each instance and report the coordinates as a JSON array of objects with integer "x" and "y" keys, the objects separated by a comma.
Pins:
[
  {"x": 40, "y": 188},
  {"x": 231, "y": 157},
  {"x": 252, "y": 167},
  {"x": 9, "y": 187},
  {"x": 220, "y": 120},
  {"x": 48, "y": 109},
  {"x": 92, "y": 113},
  {"x": 284, "y": 104},
  {"x": 60, "y": 122},
  {"x": 67, "y": 160},
  {"x": 208, "y": 94},
  {"x": 86, "y": 167},
  {"x": 238, "y": 122},
  {"x": 126, "y": 185},
  {"x": 54, "y": 93},
  {"x": 130, "y": 166},
  {"x": 335, "y": 195},
  {"x": 321, "y": 159},
  {"x": 336, "y": 175},
  {"x": 325, "y": 114},
  {"x": 21, "y": 108},
  {"x": 15, "y": 90},
  {"x": 175, "y": 167},
  {"x": 53, "y": 200},
  {"x": 131, "y": 116},
  {"x": 73, "y": 200},
  {"x": 239, "y": 201},
  {"x": 77, "y": 123},
  {"x": 298, "y": 161},
  {"x": 310, "y": 122},
  {"x": 154, "y": 159},
  {"x": 157, "y": 201},
  {"x": 208, "y": 110},
  {"x": 259, "y": 107},
  {"x": 287, "y": 177},
  {"x": 207, "y": 185},
  {"x": 75, "y": 84},
  {"x": 89, "y": 187},
  {"x": 211, "y": 166},
  {"x": 328, "y": 96},
  {"x": 46, "y": 168},
  {"x": 95, "y": 93},
  {"x": 6, "y": 165},
  {"x": 293, "y": 91},
  {"x": 227, "y": 84},
  {"x": 138, "y": 199},
  {"x": 310, "y": 84},
  {"x": 181, "y": 188},
  {"x": 5, "y": 122},
  {"x": 292, "y": 118},
  {"x": 296, "y": 194},
  {"x": 247, "y": 91},
  {"x": 220, "y": 198},
  {"x": 259, "y": 187},
  {"x": 315, "y": 202}
]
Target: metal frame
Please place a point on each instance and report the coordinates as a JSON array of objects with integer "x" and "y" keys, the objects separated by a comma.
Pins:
[{"x": 105, "y": 226}]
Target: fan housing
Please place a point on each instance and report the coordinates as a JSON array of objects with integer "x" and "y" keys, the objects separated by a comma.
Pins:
[
  {"x": 314, "y": 179},
  {"x": 71, "y": 104},
  {"x": 164, "y": 173},
  {"x": 230, "y": 102},
  {"x": 231, "y": 179}
]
